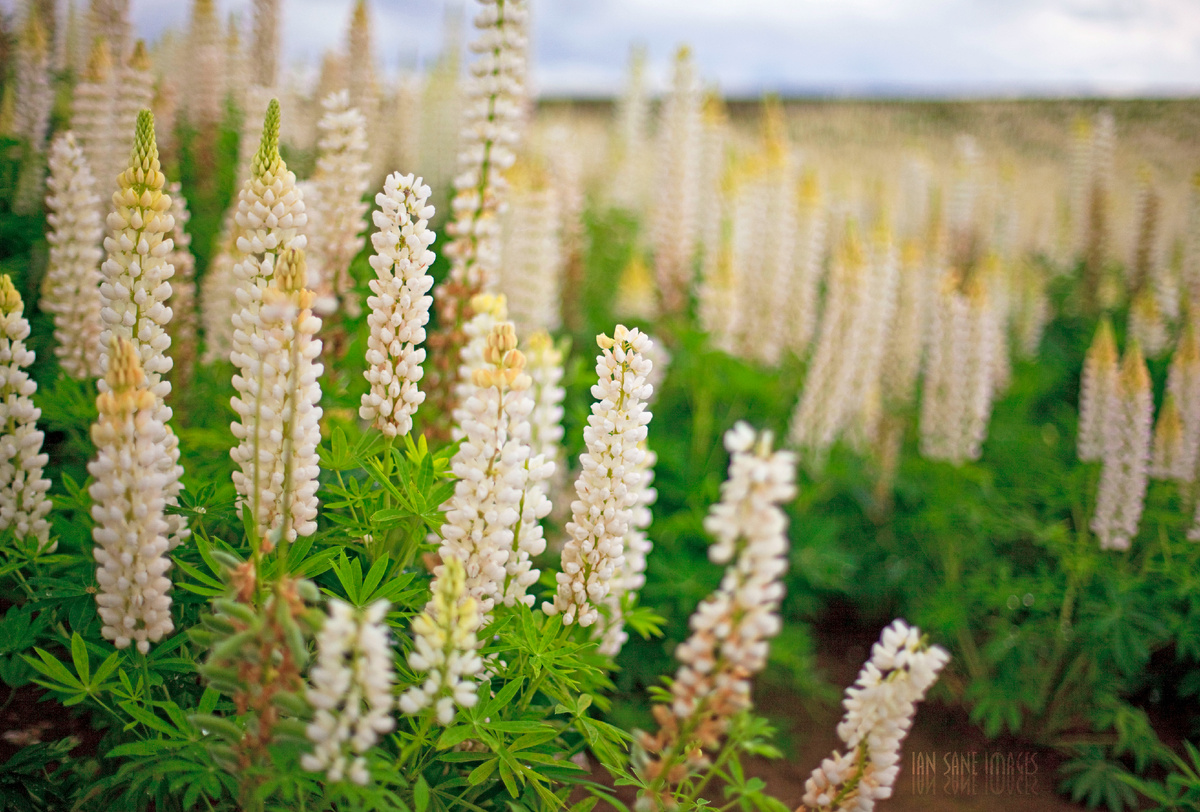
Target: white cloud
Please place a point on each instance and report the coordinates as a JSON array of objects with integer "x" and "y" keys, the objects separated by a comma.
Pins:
[{"x": 747, "y": 46}]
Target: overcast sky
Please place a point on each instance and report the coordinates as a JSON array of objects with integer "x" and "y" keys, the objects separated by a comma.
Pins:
[{"x": 826, "y": 46}]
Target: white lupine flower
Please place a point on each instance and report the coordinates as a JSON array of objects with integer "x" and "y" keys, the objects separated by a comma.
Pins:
[
  {"x": 351, "y": 691},
  {"x": 630, "y": 186},
  {"x": 445, "y": 648},
  {"x": 713, "y": 162},
  {"x": 237, "y": 66},
  {"x": 270, "y": 220},
  {"x": 607, "y": 488},
  {"x": 761, "y": 320},
  {"x": 204, "y": 74},
  {"x": 959, "y": 384},
  {"x": 109, "y": 20},
  {"x": 264, "y": 54},
  {"x": 31, "y": 116},
  {"x": 72, "y": 287},
  {"x": 93, "y": 112},
  {"x": 338, "y": 208},
  {"x": 488, "y": 311},
  {"x": 880, "y": 707},
  {"x": 545, "y": 368},
  {"x": 34, "y": 95},
  {"x": 400, "y": 304},
  {"x": 1147, "y": 325},
  {"x": 136, "y": 286},
  {"x": 530, "y": 275},
  {"x": 23, "y": 502},
  {"x": 134, "y": 93},
  {"x": 610, "y": 630},
  {"x": 1096, "y": 389},
  {"x": 732, "y": 628},
  {"x": 844, "y": 370},
  {"x": 218, "y": 295},
  {"x": 810, "y": 255},
  {"x": 914, "y": 308},
  {"x": 183, "y": 286},
  {"x": 1032, "y": 309},
  {"x": 362, "y": 81},
  {"x": 406, "y": 121},
  {"x": 528, "y": 539},
  {"x": 492, "y": 112},
  {"x": 277, "y": 401},
  {"x": 1167, "y": 458},
  {"x": 1126, "y": 433},
  {"x": 493, "y": 474},
  {"x": 129, "y": 491},
  {"x": 1190, "y": 280},
  {"x": 725, "y": 256},
  {"x": 1183, "y": 384},
  {"x": 674, "y": 225}
]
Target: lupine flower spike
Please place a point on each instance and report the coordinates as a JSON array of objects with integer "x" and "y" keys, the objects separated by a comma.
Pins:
[
  {"x": 732, "y": 628},
  {"x": 338, "y": 207},
  {"x": 1126, "y": 433},
  {"x": 1096, "y": 390},
  {"x": 879, "y": 711},
  {"x": 351, "y": 691},
  {"x": 129, "y": 491},
  {"x": 277, "y": 403},
  {"x": 493, "y": 111},
  {"x": 608, "y": 487},
  {"x": 444, "y": 648},
  {"x": 400, "y": 304},
  {"x": 23, "y": 502},
  {"x": 483, "y": 513},
  {"x": 72, "y": 288},
  {"x": 136, "y": 286}
]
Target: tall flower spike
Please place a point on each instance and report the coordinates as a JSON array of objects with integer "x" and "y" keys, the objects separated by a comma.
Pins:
[
  {"x": 340, "y": 182},
  {"x": 493, "y": 109},
  {"x": 611, "y": 628},
  {"x": 1167, "y": 459},
  {"x": 607, "y": 489},
  {"x": 351, "y": 691},
  {"x": 1096, "y": 390},
  {"x": 1183, "y": 384},
  {"x": 400, "y": 304},
  {"x": 732, "y": 628},
  {"x": 1126, "y": 433},
  {"x": 129, "y": 491},
  {"x": 93, "y": 111},
  {"x": 270, "y": 220},
  {"x": 445, "y": 648},
  {"x": 530, "y": 273},
  {"x": 545, "y": 367},
  {"x": 880, "y": 707},
  {"x": 674, "y": 226},
  {"x": 483, "y": 514},
  {"x": 277, "y": 399},
  {"x": 265, "y": 53},
  {"x": 183, "y": 288},
  {"x": 34, "y": 95},
  {"x": 136, "y": 286},
  {"x": 31, "y": 118},
  {"x": 72, "y": 287},
  {"x": 23, "y": 502}
]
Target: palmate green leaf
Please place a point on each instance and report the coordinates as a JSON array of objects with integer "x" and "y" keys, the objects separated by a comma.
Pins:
[{"x": 1094, "y": 780}]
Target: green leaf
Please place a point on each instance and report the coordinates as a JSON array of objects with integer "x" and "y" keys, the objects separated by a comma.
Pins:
[
  {"x": 79, "y": 656},
  {"x": 421, "y": 794}
]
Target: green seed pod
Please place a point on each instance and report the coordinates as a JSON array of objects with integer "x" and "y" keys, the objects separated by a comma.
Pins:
[
  {"x": 292, "y": 703},
  {"x": 218, "y": 726}
]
